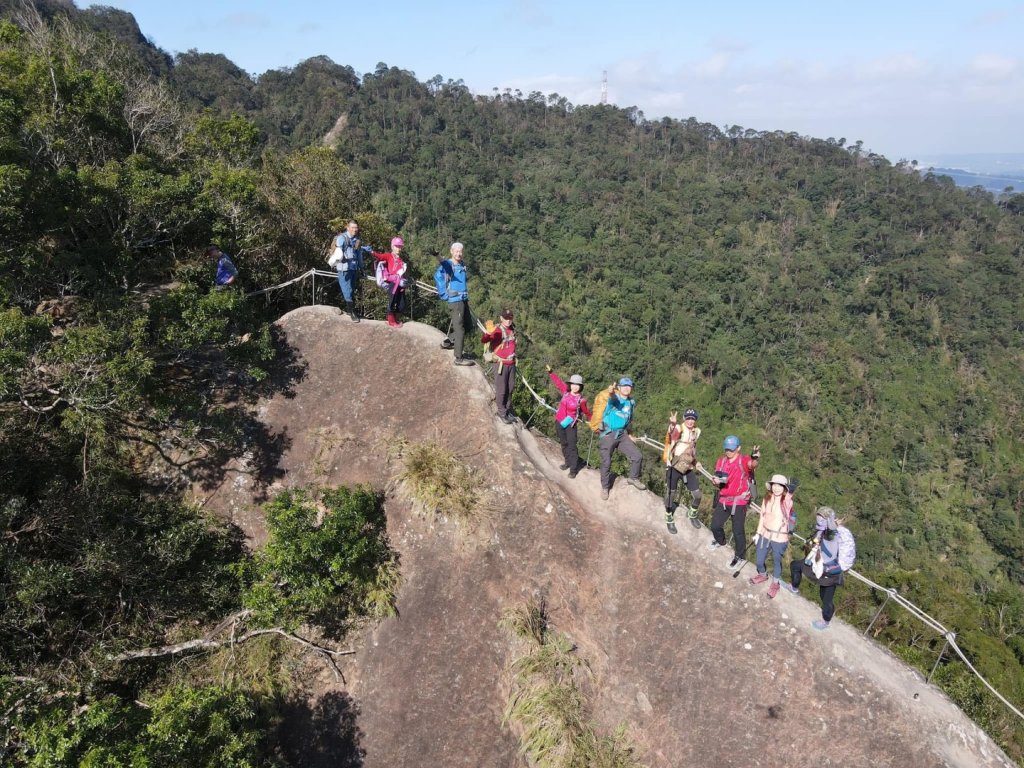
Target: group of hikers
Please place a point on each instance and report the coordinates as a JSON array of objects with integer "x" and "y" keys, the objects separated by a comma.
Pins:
[{"x": 829, "y": 553}]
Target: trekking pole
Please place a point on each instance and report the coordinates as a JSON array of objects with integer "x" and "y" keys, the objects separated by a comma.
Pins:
[
  {"x": 589, "y": 446},
  {"x": 743, "y": 557}
]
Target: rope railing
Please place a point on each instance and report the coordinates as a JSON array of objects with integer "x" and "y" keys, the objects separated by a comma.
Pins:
[{"x": 891, "y": 593}]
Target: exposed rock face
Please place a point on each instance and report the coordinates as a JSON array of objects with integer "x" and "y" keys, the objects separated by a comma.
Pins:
[{"x": 705, "y": 669}]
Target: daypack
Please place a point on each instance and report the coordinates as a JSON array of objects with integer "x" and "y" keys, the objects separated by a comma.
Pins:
[
  {"x": 792, "y": 517},
  {"x": 381, "y": 275},
  {"x": 600, "y": 404},
  {"x": 442, "y": 279},
  {"x": 332, "y": 252}
]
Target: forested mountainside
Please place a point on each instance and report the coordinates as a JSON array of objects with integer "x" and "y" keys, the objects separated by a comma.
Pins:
[{"x": 864, "y": 324}]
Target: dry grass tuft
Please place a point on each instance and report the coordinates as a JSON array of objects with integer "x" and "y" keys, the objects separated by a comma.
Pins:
[{"x": 442, "y": 485}]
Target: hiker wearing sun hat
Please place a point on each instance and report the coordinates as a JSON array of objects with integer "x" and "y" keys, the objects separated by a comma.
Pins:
[
  {"x": 393, "y": 269},
  {"x": 615, "y": 420},
  {"x": 567, "y": 418},
  {"x": 680, "y": 458},
  {"x": 773, "y": 531},
  {"x": 831, "y": 553}
]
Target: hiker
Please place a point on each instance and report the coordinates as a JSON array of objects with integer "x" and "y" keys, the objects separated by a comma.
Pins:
[
  {"x": 567, "y": 417},
  {"x": 347, "y": 258},
  {"x": 227, "y": 273},
  {"x": 502, "y": 341},
  {"x": 773, "y": 531},
  {"x": 450, "y": 279},
  {"x": 831, "y": 553},
  {"x": 734, "y": 476},
  {"x": 615, "y": 419},
  {"x": 680, "y": 457},
  {"x": 390, "y": 275}
]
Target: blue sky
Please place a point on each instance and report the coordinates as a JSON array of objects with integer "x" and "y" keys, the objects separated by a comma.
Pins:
[{"x": 911, "y": 79}]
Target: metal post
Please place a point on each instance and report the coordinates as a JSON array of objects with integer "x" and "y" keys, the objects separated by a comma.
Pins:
[
  {"x": 590, "y": 445},
  {"x": 314, "y": 289},
  {"x": 944, "y": 647},
  {"x": 888, "y": 593},
  {"x": 527, "y": 424}
]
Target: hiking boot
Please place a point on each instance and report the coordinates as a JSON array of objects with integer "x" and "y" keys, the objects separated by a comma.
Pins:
[
  {"x": 351, "y": 309},
  {"x": 821, "y": 624},
  {"x": 463, "y": 361},
  {"x": 392, "y": 322},
  {"x": 671, "y": 527},
  {"x": 736, "y": 562},
  {"x": 773, "y": 590},
  {"x": 692, "y": 513},
  {"x": 761, "y": 578},
  {"x": 670, "y": 516},
  {"x": 573, "y": 473},
  {"x": 791, "y": 588},
  {"x": 447, "y": 344},
  {"x": 563, "y": 466},
  {"x": 636, "y": 484},
  {"x": 604, "y": 494},
  {"x": 714, "y": 545},
  {"x": 508, "y": 418}
]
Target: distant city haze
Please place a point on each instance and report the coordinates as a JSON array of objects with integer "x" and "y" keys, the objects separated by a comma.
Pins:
[{"x": 912, "y": 80}]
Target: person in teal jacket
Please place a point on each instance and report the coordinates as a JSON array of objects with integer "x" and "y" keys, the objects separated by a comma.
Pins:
[{"x": 618, "y": 413}]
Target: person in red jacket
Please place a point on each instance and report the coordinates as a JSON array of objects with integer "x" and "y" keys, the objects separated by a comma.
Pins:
[
  {"x": 734, "y": 476},
  {"x": 394, "y": 277},
  {"x": 502, "y": 341},
  {"x": 568, "y": 416}
]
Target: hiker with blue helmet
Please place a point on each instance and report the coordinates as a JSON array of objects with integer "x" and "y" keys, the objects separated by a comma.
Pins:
[
  {"x": 618, "y": 413},
  {"x": 734, "y": 476},
  {"x": 681, "y": 465},
  {"x": 347, "y": 258},
  {"x": 831, "y": 552},
  {"x": 450, "y": 278}
]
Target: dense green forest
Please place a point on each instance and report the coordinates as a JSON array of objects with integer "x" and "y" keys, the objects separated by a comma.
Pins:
[{"x": 860, "y": 321}]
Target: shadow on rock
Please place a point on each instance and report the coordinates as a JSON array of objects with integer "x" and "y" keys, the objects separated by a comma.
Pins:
[{"x": 324, "y": 735}]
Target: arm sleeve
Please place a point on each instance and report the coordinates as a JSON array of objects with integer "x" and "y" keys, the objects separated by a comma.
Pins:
[
  {"x": 585, "y": 410},
  {"x": 559, "y": 384}
]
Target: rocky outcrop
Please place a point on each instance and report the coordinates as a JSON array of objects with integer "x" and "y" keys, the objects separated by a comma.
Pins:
[{"x": 704, "y": 668}]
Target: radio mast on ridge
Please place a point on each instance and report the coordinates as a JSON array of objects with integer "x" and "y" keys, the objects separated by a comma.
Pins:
[{"x": 604, "y": 87}]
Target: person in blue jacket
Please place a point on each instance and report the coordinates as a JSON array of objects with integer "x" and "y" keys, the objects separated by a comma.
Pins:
[
  {"x": 618, "y": 413},
  {"x": 832, "y": 552},
  {"x": 227, "y": 273},
  {"x": 347, "y": 258},
  {"x": 451, "y": 281}
]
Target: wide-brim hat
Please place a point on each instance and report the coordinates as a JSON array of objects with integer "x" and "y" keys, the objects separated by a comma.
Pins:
[
  {"x": 576, "y": 379},
  {"x": 778, "y": 480}
]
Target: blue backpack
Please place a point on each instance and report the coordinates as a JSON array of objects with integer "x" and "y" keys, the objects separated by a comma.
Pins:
[
  {"x": 442, "y": 279},
  {"x": 616, "y": 419}
]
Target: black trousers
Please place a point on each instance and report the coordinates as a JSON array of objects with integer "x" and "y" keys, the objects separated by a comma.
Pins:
[
  {"x": 461, "y": 322},
  {"x": 828, "y": 608},
  {"x": 567, "y": 438},
  {"x": 689, "y": 478},
  {"x": 722, "y": 513},
  {"x": 397, "y": 303},
  {"x": 504, "y": 380}
]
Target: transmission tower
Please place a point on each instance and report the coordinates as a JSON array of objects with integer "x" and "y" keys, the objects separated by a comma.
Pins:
[{"x": 604, "y": 87}]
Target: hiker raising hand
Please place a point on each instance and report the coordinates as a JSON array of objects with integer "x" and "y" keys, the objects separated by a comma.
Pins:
[
  {"x": 680, "y": 458},
  {"x": 567, "y": 417},
  {"x": 615, "y": 420}
]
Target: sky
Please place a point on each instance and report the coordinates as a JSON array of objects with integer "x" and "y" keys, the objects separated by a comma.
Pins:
[{"x": 912, "y": 80}]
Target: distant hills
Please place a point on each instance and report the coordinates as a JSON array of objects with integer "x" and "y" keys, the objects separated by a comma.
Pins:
[{"x": 994, "y": 171}]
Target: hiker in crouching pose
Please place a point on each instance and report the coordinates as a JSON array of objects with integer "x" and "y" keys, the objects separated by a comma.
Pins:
[
  {"x": 390, "y": 275},
  {"x": 502, "y": 350},
  {"x": 567, "y": 417},
  {"x": 734, "y": 476},
  {"x": 615, "y": 419},
  {"x": 776, "y": 524},
  {"x": 347, "y": 258},
  {"x": 680, "y": 457},
  {"x": 831, "y": 553}
]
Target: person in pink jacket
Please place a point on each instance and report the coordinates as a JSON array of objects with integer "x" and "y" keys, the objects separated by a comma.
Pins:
[
  {"x": 567, "y": 417},
  {"x": 773, "y": 531},
  {"x": 394, "y": 276}
]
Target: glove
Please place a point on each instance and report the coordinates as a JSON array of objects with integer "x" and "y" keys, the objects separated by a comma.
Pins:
[
  {"x": 755, "y": 452},
  {"x": 547, "y": 368}
]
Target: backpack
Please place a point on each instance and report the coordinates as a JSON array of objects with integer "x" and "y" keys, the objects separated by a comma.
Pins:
[
  {"x": 381, "y": 275},
  {"x": 332, "y": 252},
  {"x": 600, "y": 404},
  {"x": 442, "y": 279}
]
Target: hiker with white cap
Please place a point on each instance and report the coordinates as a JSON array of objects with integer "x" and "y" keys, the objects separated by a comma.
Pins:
[
  {"x": 450, "y": 278},
  {"x": 567, "y": 418},
  {"x": 831, "y": 553},
  {"x": 680, "y": 457},
  {"x": 734, "y": 476},
  {"x": 773, "y": 531},
  {"x": 347, "y": 258},
  {"x": 615, "y": 420}
]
